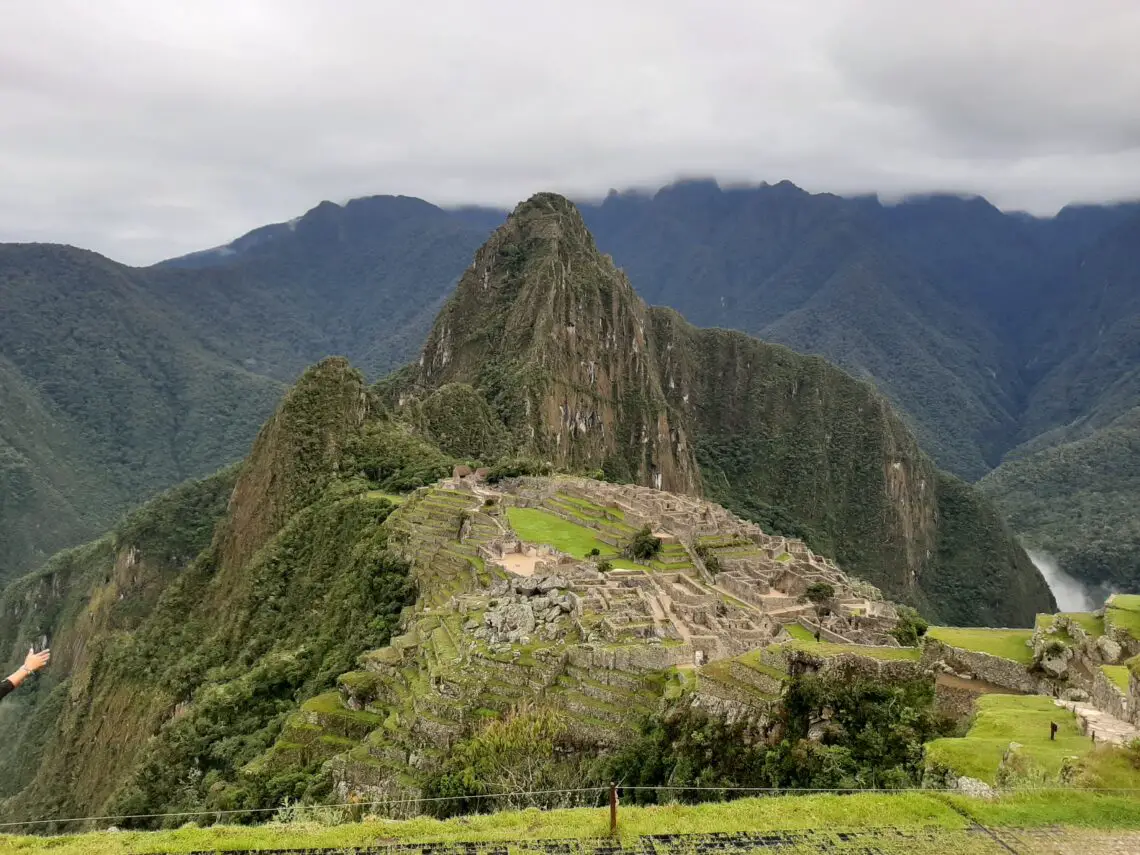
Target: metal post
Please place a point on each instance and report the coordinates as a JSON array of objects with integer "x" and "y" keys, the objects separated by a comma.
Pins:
[{"x": 613, "y": 809}]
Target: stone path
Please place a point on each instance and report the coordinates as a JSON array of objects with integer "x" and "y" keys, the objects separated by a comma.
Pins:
[{"x": 1103, "y": 727}]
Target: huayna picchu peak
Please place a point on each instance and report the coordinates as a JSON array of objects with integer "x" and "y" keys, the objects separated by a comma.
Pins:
[
  {"x": 554, "y": 337},
  {"x": 572, "y": 503},
  {"x": 587, "y": 377}
]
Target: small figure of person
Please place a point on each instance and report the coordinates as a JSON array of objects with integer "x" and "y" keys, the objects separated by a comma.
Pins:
[{"x": 33, "y": 662}]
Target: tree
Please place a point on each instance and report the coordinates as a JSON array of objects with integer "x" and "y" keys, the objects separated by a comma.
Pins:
[
  {"x": 910, "y": 628},
  {"x": 819, "y": 595},
  {"x": 643, "y": 546}
]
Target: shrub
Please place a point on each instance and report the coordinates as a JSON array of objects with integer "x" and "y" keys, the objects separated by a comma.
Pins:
[
  {"x": 593, "y": 552},
  {"x": 819, "y": 592},
  {"x": 517, "y": 467},
  {"x": 643, "y": 546},
  {"x": 911, "y": 627},
  {"x": 605, "y": 566}
]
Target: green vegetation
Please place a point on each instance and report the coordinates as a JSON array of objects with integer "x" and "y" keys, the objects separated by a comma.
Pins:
[
  {"x": 643, "y": 546},
  {"x": 537, "y": 526},
  {"x": 908, "y": 812},
  {"x": 1123, "y": 611},
  {"x": 1006, "y": 643},
  {"x": 1118, "y": 674},
  {"x": 800, "y": 633},
  {"x": 1002, "y": 719},
  {"x": 873, "y": 739},
  {"x": 827, "y": 648},
  {"x": 394, "y": 458},
  {"x": 1090, "y": 623},
  {"x": 1070, "y": 500},
  {"x": 911, "y": 627}
]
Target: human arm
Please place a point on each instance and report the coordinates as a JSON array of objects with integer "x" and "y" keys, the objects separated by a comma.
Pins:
[{"x": 33, "y": 662}]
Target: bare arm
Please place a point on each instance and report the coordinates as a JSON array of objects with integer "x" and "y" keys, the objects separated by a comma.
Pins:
[{"x": 32, "y": 663}]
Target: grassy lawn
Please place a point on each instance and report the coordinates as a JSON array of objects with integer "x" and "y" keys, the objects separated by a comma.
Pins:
[
  {"x": 1006, "y": 643},
  {"x": 1123, "y": 610},
  {"x": 800, "y": 633},
  {"x": 537, "y": 526},
  {"x": 826, "y": 648},
  {"x": 1118, "y": 674},
  {"x": 1002, "y": 719},
  {"x": 394, "y": 498},
  {"x": 823, "y": 814},
  {"x": 1087, "y": 621}
]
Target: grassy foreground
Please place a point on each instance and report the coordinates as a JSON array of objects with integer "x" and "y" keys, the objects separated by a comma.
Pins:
[
  {"x": 1002, "y": 719},
  {"x": 830, "y": 814}
]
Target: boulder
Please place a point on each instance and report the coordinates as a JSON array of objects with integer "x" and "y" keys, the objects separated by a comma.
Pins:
[
  {"x": 1074, "y": 694},
  {"x": 1110, "y": 650},
  {"x": 1055, "y": 666},
  {"x": 975, "y": 788},
  {"x": 550, "y": 583},
  {"x": 527, "y": 585},
  {"x": 519, "y": 616}
]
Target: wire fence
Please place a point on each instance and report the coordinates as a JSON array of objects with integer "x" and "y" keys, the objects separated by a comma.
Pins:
[{"x": 408, "y": 807}]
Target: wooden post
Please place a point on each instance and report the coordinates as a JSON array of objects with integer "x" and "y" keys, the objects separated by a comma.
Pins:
[
  {"x": 1052, "y": 731},
  {"x": 613, "y": 809}
]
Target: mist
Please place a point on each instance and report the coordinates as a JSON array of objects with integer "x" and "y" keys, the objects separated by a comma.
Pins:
[{"x": 1071, "y": 595}]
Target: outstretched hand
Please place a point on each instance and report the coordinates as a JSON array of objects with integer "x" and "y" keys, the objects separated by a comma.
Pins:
[{"x": 36, "y": 661}]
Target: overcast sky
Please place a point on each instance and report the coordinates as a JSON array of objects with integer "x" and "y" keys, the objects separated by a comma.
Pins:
[{"x": 149, "y": 128}]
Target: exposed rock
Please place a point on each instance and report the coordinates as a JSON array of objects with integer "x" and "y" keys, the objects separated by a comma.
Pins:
[
  {"x": 1109, "y": 649},
  {"x": 1056, "y": 664},
  {"x": 550, "y": 583},
  {"x": 975, "y": 788},
  {"x": 1074, "y": 694}
]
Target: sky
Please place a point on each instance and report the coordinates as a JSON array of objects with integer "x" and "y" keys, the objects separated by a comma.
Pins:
[{"x": 145, "y": 130}]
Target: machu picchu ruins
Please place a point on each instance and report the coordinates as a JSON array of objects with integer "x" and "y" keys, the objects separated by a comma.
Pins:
[
  {"x": 528, "y": 597},
  {"x": 505, "y": 618}
]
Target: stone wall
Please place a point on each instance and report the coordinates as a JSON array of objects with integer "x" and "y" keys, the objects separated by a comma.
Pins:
[
  {"x": 993, "y": 669},
  {"x": 955, "y": 701},
  {"x": 853, "y": 666},
  {"x": 1105, "y": 695}
]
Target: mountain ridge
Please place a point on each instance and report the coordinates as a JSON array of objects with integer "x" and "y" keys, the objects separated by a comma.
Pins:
[{"x": 896, "y": 293}]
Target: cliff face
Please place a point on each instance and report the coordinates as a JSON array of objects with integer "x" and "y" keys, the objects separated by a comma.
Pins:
[
  {"x": 588, "y": 377},
  {"x": 555, "y": 338}
]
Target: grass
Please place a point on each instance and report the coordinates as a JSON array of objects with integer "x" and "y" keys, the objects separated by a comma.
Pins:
[
  {"x": 1087, "y": 621},
  {"x": 535, "y": 526},
  {"x": 394, "y": 498},
  {"x": 1006, "y": 643},
  {"x": 1118, "y": 674},
  {"x": 1123, "y": 610},
  {"x": 937, "y": 816},
  {"x": 1002, "y": 719},
  {"x": 800, "y": 633},
  {"x": 827, "y": 648}
]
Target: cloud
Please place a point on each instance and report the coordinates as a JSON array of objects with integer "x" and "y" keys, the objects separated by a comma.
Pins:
[{"x": 145, "y": 130}]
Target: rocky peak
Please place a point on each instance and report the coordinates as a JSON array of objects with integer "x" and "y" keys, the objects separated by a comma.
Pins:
[{"x": 553, "y": 335}]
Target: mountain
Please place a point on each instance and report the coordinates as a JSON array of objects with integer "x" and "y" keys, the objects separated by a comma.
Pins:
[
  {"x": 118, "y": 382},
  {"x": 224, "y": 647},
  {"x": 585, "y": 375},
  {"x": 1073, "y": 486},
  {"x": 1076, "y": 500},
  {"x": 106, "y": 398},
  {"x": 962, "y": 316}
]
